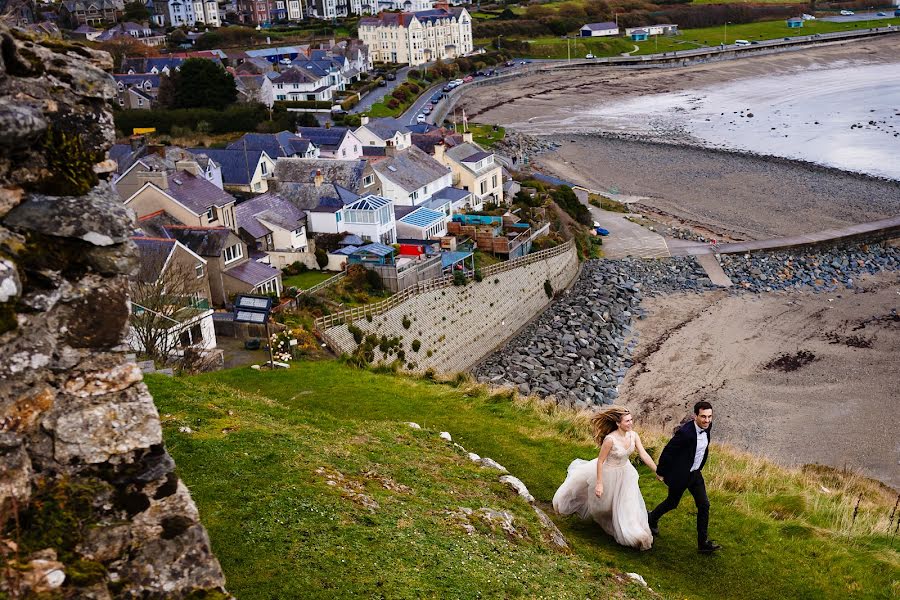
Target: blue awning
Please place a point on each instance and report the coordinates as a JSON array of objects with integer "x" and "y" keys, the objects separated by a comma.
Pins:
[{"x": 448, "y": 259}]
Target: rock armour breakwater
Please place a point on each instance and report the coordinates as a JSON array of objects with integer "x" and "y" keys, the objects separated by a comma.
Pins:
[{"x": 579, "y": 350}]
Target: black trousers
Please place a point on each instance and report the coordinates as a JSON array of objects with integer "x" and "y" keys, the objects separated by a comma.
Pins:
[{"x": 697, "y": 487}]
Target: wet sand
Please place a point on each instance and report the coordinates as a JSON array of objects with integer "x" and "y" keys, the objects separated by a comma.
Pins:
[{"x": 839, "y": 410}]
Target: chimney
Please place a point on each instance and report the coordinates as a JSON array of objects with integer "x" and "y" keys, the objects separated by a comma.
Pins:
[
  {"x": 467, "y": 137},
  {"x": 158, "y": 178},
  {"x": 190, "y": 166},
  {"x": 327, "y": 124},
  {"x": 442, "y": 6},
  {"x": 439, "y": 152},
  {"x": 390, "y": 149},
  {"x": 137, "y": 142},
  {"x": 319, "y": 179},
  {"x": 364, "y": 120}
]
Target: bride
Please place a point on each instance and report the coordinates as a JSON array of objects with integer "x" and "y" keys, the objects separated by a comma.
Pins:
[{"x": 605, "y": 489}]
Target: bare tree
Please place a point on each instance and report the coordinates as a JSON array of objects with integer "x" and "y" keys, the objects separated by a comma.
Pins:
[{"x": 162, "y": 295}]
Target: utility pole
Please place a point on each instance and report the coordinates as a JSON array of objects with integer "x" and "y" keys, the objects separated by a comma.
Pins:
[{"x": 568, "y": 50}]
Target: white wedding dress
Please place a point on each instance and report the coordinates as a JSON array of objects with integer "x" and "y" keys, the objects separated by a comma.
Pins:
[{"x": 620, "y": 511}]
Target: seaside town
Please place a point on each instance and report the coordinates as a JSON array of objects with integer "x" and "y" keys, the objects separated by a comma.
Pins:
[{"x": 418, "y": 298}]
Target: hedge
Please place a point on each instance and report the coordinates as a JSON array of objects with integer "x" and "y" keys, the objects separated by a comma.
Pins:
[
  {"x": 238, "y": 117},
  {"x": 303, "y": 103}
]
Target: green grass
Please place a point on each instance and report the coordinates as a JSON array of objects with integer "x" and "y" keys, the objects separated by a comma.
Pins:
[
  {"x": 306, "y": 280},
  {"x": 765, "y": 30},
  {"x": 555, "y": 47},
  {"x": 281, "y": 532},
  {"x": 484, "y": 135}
]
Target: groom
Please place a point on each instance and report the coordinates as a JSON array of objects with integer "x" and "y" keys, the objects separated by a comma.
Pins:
[{"x": 680, "y": 468}]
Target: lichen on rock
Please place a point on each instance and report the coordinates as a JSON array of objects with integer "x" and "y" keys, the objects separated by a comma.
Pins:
[{"x": 90, "y": 505}]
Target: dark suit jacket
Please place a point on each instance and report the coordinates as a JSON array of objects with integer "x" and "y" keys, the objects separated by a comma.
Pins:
[{"x": 677, "y": 457}]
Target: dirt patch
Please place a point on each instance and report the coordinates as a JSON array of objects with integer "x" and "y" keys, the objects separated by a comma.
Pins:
[
  {"x": 791, "y": 362},
  {"x": 851, "y": 341}
]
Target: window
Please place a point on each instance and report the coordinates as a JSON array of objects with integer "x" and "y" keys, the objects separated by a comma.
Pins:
[
  {"x": 232, "y": 253},
  {"x": 264, "y": 167},
  {"x": 199, "y": 271},
  {"x": 211, "y": 214},
  {"x": 140, "y": 101},
  {"x": 483, "y": 187},
  {"x": 337, "y": 216},
  {"x": 368, "y": 180},
  {"x": 493, "y": 181}
]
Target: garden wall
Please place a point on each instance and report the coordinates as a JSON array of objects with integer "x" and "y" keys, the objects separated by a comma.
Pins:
[{"x": 457, "y": 326}]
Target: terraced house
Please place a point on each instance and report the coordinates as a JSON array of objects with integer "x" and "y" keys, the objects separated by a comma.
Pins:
[{"x": 417, "y": 37}]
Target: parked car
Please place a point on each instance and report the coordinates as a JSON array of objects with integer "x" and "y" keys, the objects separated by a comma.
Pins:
[
  {"x": 390, "y": 76},
  {"x": 807, "y": 17},
  {"x": 435, "y": 99},
  {"x": 382, "y": 83},
  {"x": 420, "y": 118},
  {"x": 509, "y": 63},
  {"x": 590, "y": 56},
  {"x": 880, "y": 14},
  {"x": 285, "y": 61},
  {"x": 741, "y": 43},
  {"x": 467, "y": 78},
  {"x": 426, "y": 110},
  {"x": 897, "y": 13},
  {"x": 601, "y": 231},
  {"x": 447, "y": 88},
  {"x": 847, "y": 13}
]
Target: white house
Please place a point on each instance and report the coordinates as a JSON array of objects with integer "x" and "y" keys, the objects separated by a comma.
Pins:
[
  {"x": 411, "y": 177},
  {"x": 600, "y": 29},
  {"x": 207, "y": 11},
  {"x": 384, "y": 132},
  {"x": 299, "y": 84},
  {"x": 418, "y": 37},
  {"x": 474, "y": 170},
  {"x": 667, "y": 29},
  {"x": 242, "y": 170},
  {"x": 333, "y": 142},
  {"x": 371, "y": 218},
  {"x": 273, "y": 225}
]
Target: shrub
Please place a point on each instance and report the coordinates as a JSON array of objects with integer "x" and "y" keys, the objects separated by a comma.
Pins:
[
  {"x": 548, "y": 288},
  {"x": 406, "y": 322},
  {"x": 321, "y": 258},
  {"x": 373, "y": 280},
  {"x": 393, "y": 103},
  {"x": 459, "y": 278},
  {"x": 416, "y": 344},
  {"x": 356, "y": 332},
  {"x": 478, "y": 276}
]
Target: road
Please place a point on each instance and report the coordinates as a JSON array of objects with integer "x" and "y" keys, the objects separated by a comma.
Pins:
[{"x": 378, "y": 93}]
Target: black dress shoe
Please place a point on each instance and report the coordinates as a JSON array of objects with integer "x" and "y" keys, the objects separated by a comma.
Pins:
[
  {"x": 708, "y": 547},
  {"x": 654, "y": 528}
]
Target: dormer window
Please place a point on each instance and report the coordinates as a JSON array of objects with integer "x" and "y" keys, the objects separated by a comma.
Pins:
[{"x": 211, "y": 214}]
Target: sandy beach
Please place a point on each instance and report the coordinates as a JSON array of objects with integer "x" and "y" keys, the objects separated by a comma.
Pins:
[
  {"x": 839, "y": 410},
  {"x": 813, "y": 97}
]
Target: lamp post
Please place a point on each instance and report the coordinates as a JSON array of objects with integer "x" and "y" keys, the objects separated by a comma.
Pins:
[{"x": 725, "y": 35}]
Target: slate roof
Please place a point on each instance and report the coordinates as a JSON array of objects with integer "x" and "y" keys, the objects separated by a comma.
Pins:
[
  {"x": 155, "y": 224},
  {"x": 205, "y": 241},
  {"x": 403, "y": 19},
  {"x": 373, "y": 151},
  {"x": 346, "y": 173},
  {"x": 238, "y": 166},
  {"x": 276, "y": 145},
  {"x": 295, "y": 75},
  {"x": 468, "y": 155},
  {"x": 270, "y": 208},
  {"x": 422, "y": 217},
  {"x": 138, "y": 79},
  {"x": 196, "y": 193},
  {"x": 385, "y": 128},
  {"x": 448, "y": 193},
  {"x": 351, "y": 240},
  {"x": 600, "y": 26},
  {"x": 152, "y": 255},
  {"x": 324, "y": 137},
  {"x": 252, "y": 272},
  {"x": 410, "y": 169}
]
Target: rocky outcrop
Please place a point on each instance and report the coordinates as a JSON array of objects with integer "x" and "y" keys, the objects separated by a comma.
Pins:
[{"x": 90, "y": 506}]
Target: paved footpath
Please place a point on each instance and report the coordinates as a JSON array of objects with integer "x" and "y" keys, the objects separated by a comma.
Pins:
[{"x": 625, "y": 238}]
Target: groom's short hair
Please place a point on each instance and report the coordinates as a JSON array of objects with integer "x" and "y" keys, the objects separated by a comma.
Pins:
[{"x": 702, "y": 405}]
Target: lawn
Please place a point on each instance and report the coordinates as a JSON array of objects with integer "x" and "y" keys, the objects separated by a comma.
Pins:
[
  {"x": 483, "y": 135},
  {"x": 279, "y": 530},
  {"x": 304, "y": 281},
  {"x": 556, "y": 47}
]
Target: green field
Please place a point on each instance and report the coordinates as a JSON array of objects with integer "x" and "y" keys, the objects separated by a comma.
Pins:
[
  {"x": 688, "y": 39},
  {"x": 765, "y": 30},
  {"x": 381, "y": 109},
  {"x": 306, "y": 280},
  {"x": 263, "y": 445}
]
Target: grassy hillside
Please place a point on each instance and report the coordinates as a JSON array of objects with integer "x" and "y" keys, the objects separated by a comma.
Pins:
[{"x": 262, "y": 447}]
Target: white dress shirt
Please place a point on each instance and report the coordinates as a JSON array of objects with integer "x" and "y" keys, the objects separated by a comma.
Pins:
[{"x": 702, "y": 443}]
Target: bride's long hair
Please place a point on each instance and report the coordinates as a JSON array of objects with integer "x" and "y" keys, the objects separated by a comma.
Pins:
[{"x": 606, "y": 420}]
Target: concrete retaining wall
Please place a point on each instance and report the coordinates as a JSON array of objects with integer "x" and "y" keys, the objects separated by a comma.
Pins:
[{"x": 460, "y": 325}]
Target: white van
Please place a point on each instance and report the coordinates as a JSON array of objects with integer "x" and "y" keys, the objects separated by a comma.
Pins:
[{"x": 741, "y": 43}]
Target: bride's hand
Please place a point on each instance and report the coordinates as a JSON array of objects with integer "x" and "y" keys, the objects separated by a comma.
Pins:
[{"x": 598, "y": 491}]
